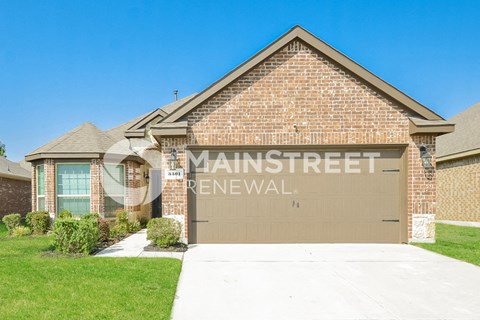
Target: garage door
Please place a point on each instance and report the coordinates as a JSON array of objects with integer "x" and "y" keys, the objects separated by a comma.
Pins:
[{"x": 308, "y": 196}]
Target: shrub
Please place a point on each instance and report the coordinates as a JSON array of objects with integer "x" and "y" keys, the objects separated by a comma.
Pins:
[
  {"x": 64, "y": 214},
  {"x": 28, "y": 217},
  {"x": 75, "y": 236},
  {"x": 12, "y": 221},
  {"x": 164, "y": 232},
  {"x": 21, "y": 231},
  {"x": 39, "y": 222},
  {"x": 134, "y": 226},
  {"x": 121, "y": 217},
  {"x": 92, "y": 215},
  {"x": 142, "y": 219},
  {"x": 104, "y": 230},
  {"x": 118, "y": 230}
]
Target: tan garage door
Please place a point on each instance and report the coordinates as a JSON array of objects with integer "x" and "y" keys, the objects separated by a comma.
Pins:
[{"x": 308, "y": 196}]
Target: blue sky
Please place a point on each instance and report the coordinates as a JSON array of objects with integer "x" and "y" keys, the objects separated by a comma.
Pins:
[{"x": 66, "y": 62}]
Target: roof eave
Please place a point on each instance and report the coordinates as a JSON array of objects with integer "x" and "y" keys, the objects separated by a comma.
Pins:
[
  {"x": 459, "y": 155},
  {"x": 438, "y": 129},
  {"x": 14, "y": 177}
]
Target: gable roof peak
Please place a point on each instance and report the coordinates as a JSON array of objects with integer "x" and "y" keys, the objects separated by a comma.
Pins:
[{"x": 325, "y": 49}]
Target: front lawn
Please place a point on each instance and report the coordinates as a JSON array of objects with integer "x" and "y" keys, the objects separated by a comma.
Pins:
[
  {"x": 461, "y": 243},
  {"x": 36, "y": 285}
]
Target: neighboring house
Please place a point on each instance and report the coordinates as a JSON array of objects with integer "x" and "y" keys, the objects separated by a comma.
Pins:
[
  {"x": 372, "y": 178},
  {"x": 15, "y": 187},
  {"x": 458, "y": 174}
]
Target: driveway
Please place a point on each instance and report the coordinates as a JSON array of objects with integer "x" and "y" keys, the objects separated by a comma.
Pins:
[{"x": 324, "y": 281}]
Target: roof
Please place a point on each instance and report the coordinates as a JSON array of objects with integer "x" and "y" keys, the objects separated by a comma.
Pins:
[
  {"x": 84, "y": 139},
  {"x": 14, "y": 170},
  {"x": 88, "y": 141},
  {"x": 298, "y": 33},
  {"x": 466, "y": 138},
  {"x": 137, "y": 128},
  {"x": 418, "y": 125}
]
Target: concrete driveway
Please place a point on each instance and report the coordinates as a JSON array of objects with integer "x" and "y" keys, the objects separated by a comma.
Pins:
[{"x": 324, "y": 281}]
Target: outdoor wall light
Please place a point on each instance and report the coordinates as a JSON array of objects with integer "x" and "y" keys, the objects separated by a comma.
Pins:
[
  {"x": 146, "y": 176},
  {"x": 426, "y": 157},
  {"x": 173, "y": 159}
]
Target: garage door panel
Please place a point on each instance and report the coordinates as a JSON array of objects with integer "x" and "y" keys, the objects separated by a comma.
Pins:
[{"x": 316, "y": 207}]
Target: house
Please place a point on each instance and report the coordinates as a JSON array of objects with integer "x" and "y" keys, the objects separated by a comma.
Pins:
[
  {"x": 15, "y": 190},
  {"x": 297, "y": 144},
  {"x": 458, "y": 169}
]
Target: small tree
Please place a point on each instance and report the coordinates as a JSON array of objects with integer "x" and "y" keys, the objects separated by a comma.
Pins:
[{"x": 2, "y": 150}]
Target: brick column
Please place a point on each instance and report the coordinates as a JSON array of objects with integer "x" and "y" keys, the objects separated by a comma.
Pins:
[
  {"x": 133, "y": 183},
  {"x": 174, "y": 193},
  {"x": 34, "y": 186},
  {"x": 421, "y": 191},
  {"x": 97, "y": 202},
  {"x": 50, "y": 199}
]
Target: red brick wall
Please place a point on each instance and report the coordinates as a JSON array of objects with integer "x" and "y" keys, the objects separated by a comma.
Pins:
[
  {"x": 96, "y": 187},
  {"x": 133, "y": 184},
  {"x": 459, "y": 189},
  {"x": 15, "y": 196},
  {"x": 97, "y": 194},
  {"x": 299, "y": 86}
]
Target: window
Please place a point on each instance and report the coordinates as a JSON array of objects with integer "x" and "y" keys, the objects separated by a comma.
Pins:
[
  {"x": 114, "y": 187},
  {"x": 40, "y": 187},
  {"x": 73, "y": 187}
]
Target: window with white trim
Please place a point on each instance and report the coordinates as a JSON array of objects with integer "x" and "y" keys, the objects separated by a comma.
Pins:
[
  {"x": 114, "y": 188},
  {"x": 40, "y": 174},
  {"x": 73, "y": 187}
]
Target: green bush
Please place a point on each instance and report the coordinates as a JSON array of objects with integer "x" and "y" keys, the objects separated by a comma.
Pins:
[
  {"x": 118, "y": 230},
  {"x": 21, "y": 231},
  {"x": 12, "y": 221},
  {"x": 121, "y": 217},
  {"x": 104, "y": 230},
  {"x": 164, "y": 232},
  {"x": 92, "y": 215},
  {"x": 39, "y": 222},
  {"x": 28, "y": 218},
  {"x": 75, "y": 235},
  {"x": 123, "y": 226},
  {"x": 64, "y": 214},
  {"x": 142, "y": 219}
]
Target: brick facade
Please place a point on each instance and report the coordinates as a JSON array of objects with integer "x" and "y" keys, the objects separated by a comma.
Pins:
[
  {"x": 15, "y": 196},
  {"x": 97, "y": 202},
  {"x": 299, "y": 86},
  {"x": 97, "y": 194},
  {"x": 459, "y": 189}
]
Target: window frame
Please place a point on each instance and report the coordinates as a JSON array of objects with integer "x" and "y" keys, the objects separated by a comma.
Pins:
[
  {"x": 36, "y": 186},
  {"x": 57, "y": 196}
]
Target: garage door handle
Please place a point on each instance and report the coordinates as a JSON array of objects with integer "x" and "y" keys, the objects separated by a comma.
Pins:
[
  {"x": 390, "y": 220},
  {"x": 196, "y": 221}
]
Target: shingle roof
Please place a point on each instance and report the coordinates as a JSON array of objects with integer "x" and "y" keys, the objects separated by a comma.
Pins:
[
  {"x": 89, "y": 139},
  {"x": 13, "y": 170},
  {"x": 466, "y": 136},
  {"x": 86, "y": 138}
]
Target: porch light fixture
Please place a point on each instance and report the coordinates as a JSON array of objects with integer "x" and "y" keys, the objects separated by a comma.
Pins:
[
  {"x": 146, "y": 176},
  {"x": 173, "y": 159},
  {"x": 426, "y": 157}
]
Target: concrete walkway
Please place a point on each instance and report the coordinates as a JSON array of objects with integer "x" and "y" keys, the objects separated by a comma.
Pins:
[
  {"x": 460, "y": 223},
  {"x": 133, "y": 247},
  {"x": 325, "y": 281}
]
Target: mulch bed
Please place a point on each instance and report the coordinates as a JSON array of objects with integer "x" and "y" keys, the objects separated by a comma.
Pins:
[{"x": 179, "y": 247}]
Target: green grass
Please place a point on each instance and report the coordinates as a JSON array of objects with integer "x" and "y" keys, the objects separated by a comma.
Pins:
[
  {"x": 462, "y": 243},
  {"x": 36, "y": 286}
]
